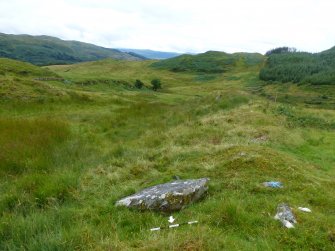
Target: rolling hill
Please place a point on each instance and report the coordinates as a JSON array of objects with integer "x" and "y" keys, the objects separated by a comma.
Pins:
[
  {"x": 210, "y": 62},
  {"x": 150, "y": 54},
  {"x": 46, "y": 50},
  {"x": 71, "y": 148},
  {"x": 21, "y": 81},
  {"x": 19, "y": 69}
]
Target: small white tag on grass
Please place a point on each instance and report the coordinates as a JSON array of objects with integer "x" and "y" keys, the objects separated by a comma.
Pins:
[{"x": 305, "y": 209}]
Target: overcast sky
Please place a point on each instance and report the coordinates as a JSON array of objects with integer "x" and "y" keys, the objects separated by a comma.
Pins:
[{"x": 177, "y": 25}]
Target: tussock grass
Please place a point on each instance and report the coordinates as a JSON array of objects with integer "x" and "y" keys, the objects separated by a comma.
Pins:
[
  {"x": 92, "y": 153},
  {"x": 28, "y": 143},
  {"x": 21, "y": 69}
]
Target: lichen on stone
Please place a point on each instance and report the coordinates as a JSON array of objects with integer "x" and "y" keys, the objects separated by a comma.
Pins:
[{"x": 170, "y": 196}]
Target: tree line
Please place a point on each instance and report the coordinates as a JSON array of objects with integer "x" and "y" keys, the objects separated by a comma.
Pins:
[{"x": 286, "y": 64}]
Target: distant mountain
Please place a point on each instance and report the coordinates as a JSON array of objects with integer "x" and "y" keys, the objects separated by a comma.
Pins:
[
  {"x": 150, "y": 54},
  {"x": 46, "y": 50},
  {"x": 210, "y": 62}
]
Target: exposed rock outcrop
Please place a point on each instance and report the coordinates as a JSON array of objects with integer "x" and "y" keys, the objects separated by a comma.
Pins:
[{"x": 167, "y": 197}]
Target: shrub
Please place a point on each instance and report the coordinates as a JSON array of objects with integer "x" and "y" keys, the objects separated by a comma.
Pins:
[
  {"x": 156, "y": 84},
  {"x": 138, "y": 84}
]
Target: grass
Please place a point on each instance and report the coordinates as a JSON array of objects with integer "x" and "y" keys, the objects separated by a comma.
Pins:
[
  {"x": 102, "y": 141},
  {"x": 17, "y": 68},
  {"x": 46, "y": 50},
  {"x": 321, "y": 96},
  {"x": 27, "y": 143},
  {"x": 210, "y": 62}
]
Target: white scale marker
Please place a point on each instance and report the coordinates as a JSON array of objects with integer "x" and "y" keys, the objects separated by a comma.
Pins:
[{"x": 174, "y": 226}]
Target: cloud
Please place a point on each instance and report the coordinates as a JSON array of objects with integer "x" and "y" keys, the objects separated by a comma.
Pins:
[{"x": 239, "y": 25}]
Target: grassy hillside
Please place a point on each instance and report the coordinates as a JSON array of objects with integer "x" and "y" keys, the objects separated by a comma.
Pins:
[
  {"x": 307, "y": 95},
  {"x": 210, "y": 62},
  {"x": 65, "y": 162},
  {"x": 9, "y": 67},
  {"x": 46, "y": 50},
  {"x": 300, "y": 67},
  {"x": 24, "y": 82},
  {"x": 150, "y": 54}
]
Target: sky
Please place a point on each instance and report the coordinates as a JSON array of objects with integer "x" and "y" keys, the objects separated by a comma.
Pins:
[{"x": 178, "y": 25}]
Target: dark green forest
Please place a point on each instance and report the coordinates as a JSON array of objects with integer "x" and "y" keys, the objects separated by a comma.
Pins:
[{"x": 288, "y": 65}]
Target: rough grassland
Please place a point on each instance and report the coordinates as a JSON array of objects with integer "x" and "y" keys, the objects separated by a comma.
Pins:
[{"x": 64, "y": 162}]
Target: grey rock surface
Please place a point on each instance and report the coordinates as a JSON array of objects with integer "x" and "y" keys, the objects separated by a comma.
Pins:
[
  {"x": 171, "y": 196},
  {"x": 285, "y": 215}
]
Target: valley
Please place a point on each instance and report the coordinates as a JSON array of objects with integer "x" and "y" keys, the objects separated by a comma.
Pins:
[{"x": 71, "y": 147}]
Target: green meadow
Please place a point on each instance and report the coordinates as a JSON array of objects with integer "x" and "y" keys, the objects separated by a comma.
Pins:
[{"x": 70, "y": 147}]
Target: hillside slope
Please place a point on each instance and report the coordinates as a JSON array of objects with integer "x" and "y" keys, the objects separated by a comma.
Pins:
[
  {"x": 210, "y": 62},
  {"x": 150, "y": 54},
  {"x": 20, "y": 81},
  {"x": 46, "y": 50},
  {"x": 300, "y": 67},
  {"x": 65, "y": 162},
  {"x": 19, "y": 69}
]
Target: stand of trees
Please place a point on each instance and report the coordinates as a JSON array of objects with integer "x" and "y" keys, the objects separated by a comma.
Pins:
[
  {"x": 280, "y": 50},
  {"x": 287, "y": 65}
]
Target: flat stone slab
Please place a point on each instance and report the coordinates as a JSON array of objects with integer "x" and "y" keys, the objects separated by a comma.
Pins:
[{"x": 171, "y": 196}]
